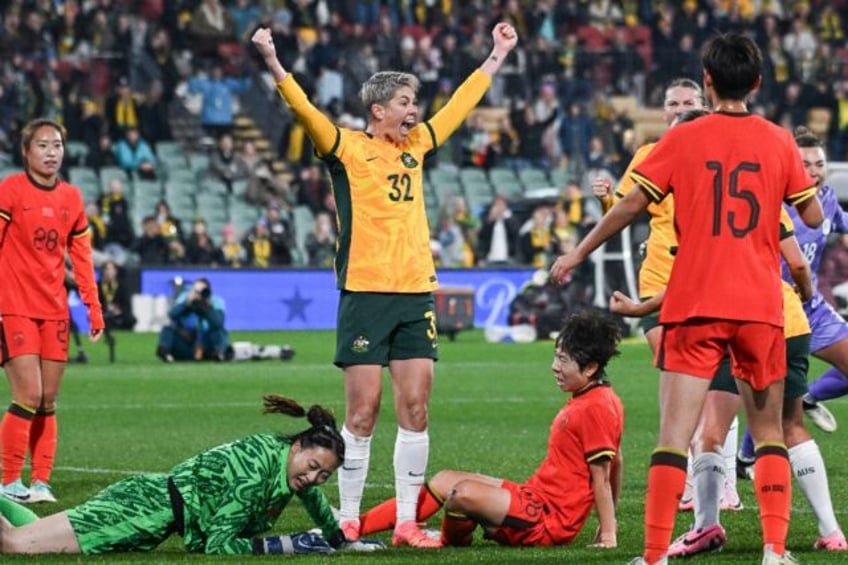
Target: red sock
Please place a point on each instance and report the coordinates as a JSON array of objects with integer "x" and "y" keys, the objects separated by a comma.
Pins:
[
  {"x": 457, "y": 529},
  {"x": 383, "y": 516},
  {"x": 14, "y": 440},
  {"x": 773, "y": 487},
  {"x": 666, "y": 481},
  {"x": 43, "y": 438}
]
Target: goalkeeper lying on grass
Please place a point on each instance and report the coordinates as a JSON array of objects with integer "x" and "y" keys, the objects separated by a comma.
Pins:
[{"x": 220, "y": 501}]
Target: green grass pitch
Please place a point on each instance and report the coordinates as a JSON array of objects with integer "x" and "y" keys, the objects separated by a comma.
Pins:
[{"x": 490, "y": 412}]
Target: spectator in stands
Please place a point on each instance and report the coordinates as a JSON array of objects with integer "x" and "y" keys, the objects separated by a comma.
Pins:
[
  {"x": 216, "y": 113},
  {"x": 200, "y": 249},
  {"x": 834, "y": 270},
  {"x": 454, "y": 250},
  {"x": 170, "y": 226},
  {"x": 244, "y": 14},
  {"x": 320, "y": 243},
  {"x": 135, "y": 156},
  {"x": 155, "y": 124},
  {"x": 211, "y": 24},
  {"x": 226, "y": 165},
  {"x": 531, "y": 131},
  {"x": 257, "y": 243},
  {"x": 478, "y": 146},
  {"x": 114, "y": 209},
  {"x": 575, "y": 131},
  {"x": 97, "y": 225},
  {"x": 281, "y": 234},
  {"x": 535, "y": 241},
  {"x": 233, "y": 252},
  {"x": 122, "y": 109},
  {"x": 196, "y": 331},
  {"x": 313, "y": 188},
  {"x": 117, "y": 309},
  {"x": 151, "y": 246},
  {"x": 498, "y": 236}
]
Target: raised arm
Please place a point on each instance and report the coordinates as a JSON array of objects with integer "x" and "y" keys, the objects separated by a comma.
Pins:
[
  {"x": 505, "y": 39},
  {"x": 320, "y": 129},
  {"x": 469, "y": 93}
]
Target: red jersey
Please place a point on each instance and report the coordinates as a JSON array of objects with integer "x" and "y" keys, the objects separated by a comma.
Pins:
[
  {"x": 588, "y": 428},
  {"x": 38, "y": 225},
  {"x": 730, "y": 173}
]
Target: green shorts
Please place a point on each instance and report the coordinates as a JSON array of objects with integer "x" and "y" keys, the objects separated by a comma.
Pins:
[
  {"x": 797, "y": 365},
  {"x": 651, "y": 321},
  {"x": 134, "y": 514},
  {"x": 374, "y": 328}
]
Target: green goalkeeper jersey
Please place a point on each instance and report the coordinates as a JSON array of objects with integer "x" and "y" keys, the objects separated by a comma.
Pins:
[{"x": 236, "y": 491}]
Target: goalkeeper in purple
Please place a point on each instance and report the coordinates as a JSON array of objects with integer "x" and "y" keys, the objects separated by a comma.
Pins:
[
  {"x": 829, "y": 340},
  {"x": 220, "y": 501}
]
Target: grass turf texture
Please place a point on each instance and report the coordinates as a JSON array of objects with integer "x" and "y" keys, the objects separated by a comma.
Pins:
[{"x": 490, "y": 412}]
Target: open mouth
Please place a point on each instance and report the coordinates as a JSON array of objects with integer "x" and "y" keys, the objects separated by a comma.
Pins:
[{"x": 407, "y": 125}]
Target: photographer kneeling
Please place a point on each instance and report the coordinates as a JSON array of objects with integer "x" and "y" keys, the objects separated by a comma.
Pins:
[{"x": 196, "y": 331}]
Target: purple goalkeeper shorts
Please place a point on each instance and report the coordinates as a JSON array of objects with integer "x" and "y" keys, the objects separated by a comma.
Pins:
[{"x": 828, "y": 327}]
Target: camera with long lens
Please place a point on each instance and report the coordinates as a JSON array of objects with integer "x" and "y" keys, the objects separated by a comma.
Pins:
[{"x": 205, "y": 293}]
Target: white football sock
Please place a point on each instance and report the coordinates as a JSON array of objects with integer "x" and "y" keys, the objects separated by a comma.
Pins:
[
  {"x": 808, "y": 468},
  {"x": 709, "y": 484},
  {"x": 731, "y": 444},
  {"x": 352, "y": 474},
  {"x": 689, "y": 487},
  {"x": 411, "y": 452}
]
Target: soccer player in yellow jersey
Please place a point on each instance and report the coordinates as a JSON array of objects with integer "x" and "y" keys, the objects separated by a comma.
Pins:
[
  {"x": 681, "y": 95},
  {"x": 384, "y": 267}
]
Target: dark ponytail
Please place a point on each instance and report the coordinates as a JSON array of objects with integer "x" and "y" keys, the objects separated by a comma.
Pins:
[{"x": 323, "y": 432}]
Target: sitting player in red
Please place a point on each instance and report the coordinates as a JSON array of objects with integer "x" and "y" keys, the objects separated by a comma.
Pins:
[{"x": 581, "y": 469}]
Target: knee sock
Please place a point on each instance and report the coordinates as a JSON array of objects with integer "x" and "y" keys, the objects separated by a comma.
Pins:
[
  {"x": 457, "y": 529},
  {"x": 709, "y": 484},
  {"x": 17, "y": 514},
  {"x": 352, "y": 474},
  {"x": 809, "y": 469},
  {"x": 773, "y": 487},
  {"x": 411, "y": 452},
  {"x": 666, "y": 479},
  {"x": 43, "y": 438},
  {"x": 731, "y": 444},
  {"x": 14, "y": 439},
  {"x": 832, "y": 384},
  {"x": 383, "y": 516}
]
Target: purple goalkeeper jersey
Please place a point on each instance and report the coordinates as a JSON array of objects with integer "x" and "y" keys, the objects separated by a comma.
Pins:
[{"x": 814, "y": 240}]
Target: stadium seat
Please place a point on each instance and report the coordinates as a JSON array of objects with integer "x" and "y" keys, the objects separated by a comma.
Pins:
[
  {"x": 76, "y": 151},
  {"x": 109, "y": 173},
  {"x": 560, "y": 177},
  {"x": 533, "y": 178},
  {"x": 441, "y": 175},
  {"x": 472, "y": 174},
  {"x": 86, "y": 179},
  {"x": 505, "y": 181}
]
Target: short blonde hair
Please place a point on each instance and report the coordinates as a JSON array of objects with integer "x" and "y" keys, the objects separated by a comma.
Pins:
[{"x": 381, "y": 87}]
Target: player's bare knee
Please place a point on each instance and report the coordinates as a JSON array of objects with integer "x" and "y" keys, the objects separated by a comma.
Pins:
[{"x": 459, "y": 497}]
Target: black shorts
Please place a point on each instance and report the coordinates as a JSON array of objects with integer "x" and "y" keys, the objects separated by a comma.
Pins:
[{"x": 797, "y": 365}]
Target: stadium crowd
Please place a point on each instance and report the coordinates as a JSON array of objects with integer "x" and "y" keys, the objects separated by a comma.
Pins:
[{"x": 115, "y": 72}]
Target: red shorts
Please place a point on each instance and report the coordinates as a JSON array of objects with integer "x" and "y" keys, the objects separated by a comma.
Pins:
[
  {"x": 525, "y": 520},
  {"x": 695, "y": 347},
  {"x": 27, "y": 336}
]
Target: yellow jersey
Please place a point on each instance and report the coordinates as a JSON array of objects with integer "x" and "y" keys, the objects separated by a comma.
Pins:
[
  {"x": 656, "y": 265},
  {"x": 795, "y": 321},
  {"x": 378, "y": 186}
]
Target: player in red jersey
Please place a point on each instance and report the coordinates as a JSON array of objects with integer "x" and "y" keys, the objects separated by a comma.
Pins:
[
  {"x": 730, "y": 172},
  {"x": 582, "y": 467},
  {"x": 41, "y": 219}
]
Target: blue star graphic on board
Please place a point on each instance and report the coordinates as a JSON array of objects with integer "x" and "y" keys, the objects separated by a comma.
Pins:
[{"x": 297, "y": 305}]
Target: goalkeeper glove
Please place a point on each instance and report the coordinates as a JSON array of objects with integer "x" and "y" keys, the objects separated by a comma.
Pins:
[{"x": 303, "y": 542}]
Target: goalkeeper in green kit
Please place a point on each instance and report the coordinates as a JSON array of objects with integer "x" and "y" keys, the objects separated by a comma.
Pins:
[{"x": 220, "y": 501}]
